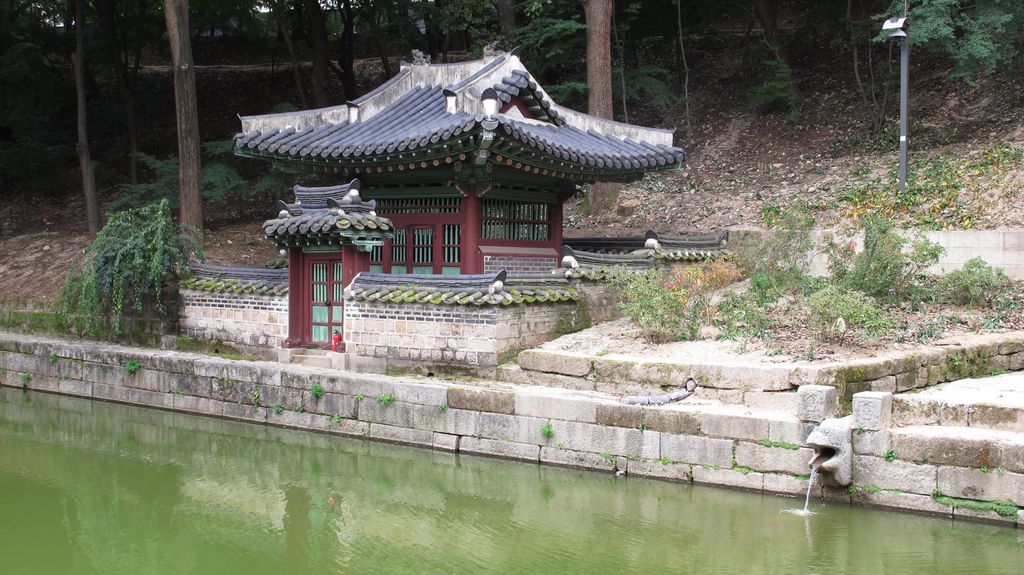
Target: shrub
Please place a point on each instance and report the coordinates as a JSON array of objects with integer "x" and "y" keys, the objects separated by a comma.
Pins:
[
  {"x": 885, "y": 269},
  {"x": 836, "y": 310},
  {"x": 975, "y": 284},
  {"x": 778, "y": 261},
  {"x": 134, "y": 257},
  {"x": 675, "y": 307}
]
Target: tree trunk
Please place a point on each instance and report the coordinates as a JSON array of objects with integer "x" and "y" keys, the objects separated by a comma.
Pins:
[
  {"x": 346, "y": 52},
  {"x": 506, "y": 17},
  {"x": 599, "y": 57},
  {"x": 318, "y": 40},
  {"x": 686, "y": 72},
  {"x": 125, "y": 88},
  {"x": 283, "y": 30},
  {"x": 599, "y": 82},
  {"x": 92, "y": 206},
  {"x": 176, "y": 14},
  {"x": 379, "y": 46}
]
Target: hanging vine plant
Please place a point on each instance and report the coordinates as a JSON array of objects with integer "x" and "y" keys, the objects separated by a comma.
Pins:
[{"x": 136, "y": 255}]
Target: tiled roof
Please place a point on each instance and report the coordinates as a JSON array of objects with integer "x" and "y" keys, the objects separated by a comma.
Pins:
[
  {"x": 485, "y": 289},
  {"x": 330, "y": 215},
  {"x": 237, "y": 280},
  {"x": 434, "y": 116},
  {"x": 597, "y": 258}
]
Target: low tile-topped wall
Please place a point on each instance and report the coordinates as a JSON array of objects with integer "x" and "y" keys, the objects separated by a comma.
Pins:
[
  {"x": 519, "y": 264},
  {"x": 469, "y": 335},
  {"x": 717, "y": 445},
  {"x": 249, "y": 320}
]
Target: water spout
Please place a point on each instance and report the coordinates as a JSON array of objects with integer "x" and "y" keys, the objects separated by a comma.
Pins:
[
  {"x": 832, "y": 442},
  {"x": 810, "y": 484}
]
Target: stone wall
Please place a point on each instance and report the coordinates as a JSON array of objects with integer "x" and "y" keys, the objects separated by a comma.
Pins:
[
  {"x": 469, "y": 335},
  {"x": 601, "y": 299},
  {"x": 247, "y": 320},
  {"x": 519, "y": 264},
  {"x": 733, "y": 446}
]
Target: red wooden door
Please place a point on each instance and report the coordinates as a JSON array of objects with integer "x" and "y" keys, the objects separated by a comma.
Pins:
[{"x": 324, "y": 302}]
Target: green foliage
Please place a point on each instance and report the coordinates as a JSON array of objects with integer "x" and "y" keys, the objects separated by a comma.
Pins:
[
  {"x": 131, "y": 366},
  {"x": 778, "y": 261},
  {"x": 442, "y": 408},
  {"x": 278, "y": 408},
  {"x": 546, "y": 431},
  {"x": 885, "y": 269},
  {"x": 255, "y": 397},
  {"x": 135, "y": 256},
  {"x": 890, "y": 456},
  {"x": 835, "y": 311},
  {"x": 359, "y": 397},
  {"x": 386, "y": 399},
  {"x": 1001, "y": 508},
  {"x": 52, "y": 358},
  {"x": 549, "y": 41},
  {"x": 976, "y": 284},
  {"x": 777, "y": 91},
  {"x": 25, "y": 378},
  {"x": 649, "y": 84},
  {"x": 336, "y": 418},
  {"x": 779, "y": 444},
  {"x": 672, "y": 307},
  {"x": 317, "y": 391},
  {"x": 980, "y": 37},
  {"x": 743, "y": 314}
]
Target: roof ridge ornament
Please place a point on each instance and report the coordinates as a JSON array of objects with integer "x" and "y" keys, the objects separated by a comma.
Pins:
[
  {"x": 491, "y": 50},
  {"x": 419, "y": 59}
]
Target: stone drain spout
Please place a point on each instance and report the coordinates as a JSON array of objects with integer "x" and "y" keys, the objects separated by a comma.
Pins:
[{"x": 832, "y": 442}]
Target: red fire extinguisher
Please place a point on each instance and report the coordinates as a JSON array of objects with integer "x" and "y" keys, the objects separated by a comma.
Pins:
[{"x": 335, "y": 340}]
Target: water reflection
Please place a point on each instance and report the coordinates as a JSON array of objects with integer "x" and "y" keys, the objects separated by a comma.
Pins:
[{"x": 88, "y": 487}]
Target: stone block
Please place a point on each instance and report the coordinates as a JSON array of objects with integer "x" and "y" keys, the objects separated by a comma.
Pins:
[
  {"x": 909, "y": 409},
  {"x": 1011, "y": 452},
  {"x": 786, "y": 401},
  {"x": 733, "y": 424},
  {"x": 671, "y": 420},
  {"x": 666, "y": 470},
  {"x": 650, "y": 445},
  {"x": 498, "y": 448},
  {"x": 817, "y": 402},
  {"x": 996, "y": 417},
  {"x": 110, "y": 392},
  {"x": 232, "y": 391},
  {"x": 421, "y": 393},
  {"x": 870, "y": 442},
  {"x": 482, "y": 399},
  {"x": 556, "y": 406},
  {"x": 73, "y": 387},
  {"x": 244, "y": 412},
  {"x": 773, "y": 459},
  {"x": 581, "y": 459},
  {"x": 1011, "y": 345},
  {"x": 332, "y": 404},
  {"x": 984, "y": 486},
  {"x": 789, "y": 431},
  {"x": 751, "y": 481},
  {"x": 102, "y": 373},
  {"x": 597, "y": 438},
  {"x": 696, "y": 450},
  {"x": 550, "y": 362},
  {"x": 909, "y": 380},
  {"x": 38, "y": 382},
  {"x": 290, "y": 399},
  {"x": 497, "y": 426},
  {"x": 872, "y": 410},
  {"x": 784, "y": 484},
  {"x": 877, "y": 472},
  {"x": 192, "y": 404},
  {"x": 983, "y": 516},
  {"x": 620, "y": 415},
  {"x": 902, "y": 501},
  {"x": 151, "y": 398},
  {"x": 939, "y": 445},
  {"x": 884, "y": 384},
  {"x": 403, "y": 435},
  {"x": 446, "y": 441},
  {"x": 348, "y": 427},
  {"x": 1017, "y": 362}
]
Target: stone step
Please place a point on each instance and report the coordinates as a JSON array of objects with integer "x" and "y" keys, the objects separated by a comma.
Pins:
[
  {"x": 970, "y": 447},
  {"x": 994, "y": 403},
  {"x": 312, "y": 360}
]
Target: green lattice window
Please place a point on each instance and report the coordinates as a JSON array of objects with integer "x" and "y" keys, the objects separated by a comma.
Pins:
[
  {"x": 412, "y": 206},
  {"x": 513, "y": 220}
]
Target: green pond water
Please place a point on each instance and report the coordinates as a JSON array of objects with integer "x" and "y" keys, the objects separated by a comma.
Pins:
[{"x": 89, "y": 487}]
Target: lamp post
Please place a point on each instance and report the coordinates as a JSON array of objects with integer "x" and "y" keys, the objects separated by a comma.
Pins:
[{"x": 899, "y": 32}]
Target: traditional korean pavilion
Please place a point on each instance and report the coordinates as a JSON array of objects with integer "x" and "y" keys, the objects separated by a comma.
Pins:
[{"x": 444, "y": 170}]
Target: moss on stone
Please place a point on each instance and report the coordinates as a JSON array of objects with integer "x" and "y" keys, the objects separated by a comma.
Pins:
[
  {"x": 1001, "y": 508},
  {"x": 779, "y": 444}
]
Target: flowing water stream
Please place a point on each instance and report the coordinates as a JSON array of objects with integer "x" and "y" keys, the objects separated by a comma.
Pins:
[{"x": 88, "y": 487}]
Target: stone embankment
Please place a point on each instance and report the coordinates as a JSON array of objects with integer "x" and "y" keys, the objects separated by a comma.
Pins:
[{"x": 710, "y": 443}]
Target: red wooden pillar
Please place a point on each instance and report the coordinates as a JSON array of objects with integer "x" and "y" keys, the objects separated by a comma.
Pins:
[
  {"x": 296, "y": 300},
  {"x": 556, "y": 230},
  {"x": 472, "y": 262}
]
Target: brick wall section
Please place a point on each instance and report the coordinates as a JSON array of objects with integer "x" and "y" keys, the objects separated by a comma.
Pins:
[
  {"x": 464, "y": 334},
  {"x": 519, "y": 264},
  {"x": 259, "y": 321},
  {"x": 732, "y": 446}
]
